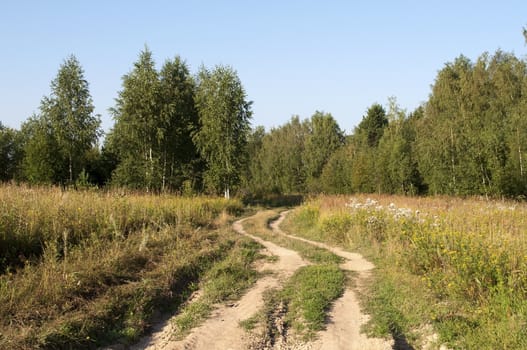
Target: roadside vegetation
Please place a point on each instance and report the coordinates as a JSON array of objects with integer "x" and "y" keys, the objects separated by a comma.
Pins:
[
  {"x": 303, "y": 302},
  {"x": 454, "y": 265},
  {"x": 83, "y": 269},
  {"x": 225, "y": 281},
  {"x": 258, "y": 225}
]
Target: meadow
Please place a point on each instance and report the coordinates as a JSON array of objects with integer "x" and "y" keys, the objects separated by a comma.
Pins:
[
  {"x": 451, "y": 266},
  {"x": 84, "y": 269}
]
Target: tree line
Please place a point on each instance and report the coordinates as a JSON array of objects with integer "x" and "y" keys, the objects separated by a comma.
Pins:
[
  {"x": 172, "y": 131},
  {"x": 186, "y": 133}
]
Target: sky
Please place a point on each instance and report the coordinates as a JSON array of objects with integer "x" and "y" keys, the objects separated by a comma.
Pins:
[{"x": 293, "y": 57}]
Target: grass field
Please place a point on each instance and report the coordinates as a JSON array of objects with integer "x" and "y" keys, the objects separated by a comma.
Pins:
[
  {"x": 83, "y": 269},
  {"x": 456, "y": 265}
]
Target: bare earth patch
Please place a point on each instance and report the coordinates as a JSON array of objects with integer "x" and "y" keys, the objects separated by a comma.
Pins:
[
  {"x": 345, "y": 318},
  {"x": 222, "y": 330}
]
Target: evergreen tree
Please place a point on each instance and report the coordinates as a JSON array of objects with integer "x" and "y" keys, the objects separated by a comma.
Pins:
[
  {"x": 371, "y": 128},
  {"x": 366, "y": 174}
]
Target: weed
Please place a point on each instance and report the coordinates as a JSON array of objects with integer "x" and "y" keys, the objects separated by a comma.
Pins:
[
  {"x": 250, "y": 323},
  {"x": 457, "y": 264},
  {"x": 191, "y": 316}
]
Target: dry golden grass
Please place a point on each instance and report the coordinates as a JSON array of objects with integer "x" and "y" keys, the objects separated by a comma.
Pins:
[
  {"x": 469, "y": 254},
  {"x": 84, "y": 268}
]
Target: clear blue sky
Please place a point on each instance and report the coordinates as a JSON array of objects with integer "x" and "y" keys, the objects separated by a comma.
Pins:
[{"x": 293, "y": 57}]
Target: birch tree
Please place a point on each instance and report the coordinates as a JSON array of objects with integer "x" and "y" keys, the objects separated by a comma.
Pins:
[
  {"x": 138, "y": 130},
  {"x": 70, "y": 113},
  {"x": 224, "y": 117}
]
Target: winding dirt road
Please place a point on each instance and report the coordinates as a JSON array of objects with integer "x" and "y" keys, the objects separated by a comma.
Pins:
[{"x": 222, "y": 331}]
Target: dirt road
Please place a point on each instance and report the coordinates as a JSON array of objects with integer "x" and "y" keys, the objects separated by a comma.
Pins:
[{"x": 222, "y": 331}]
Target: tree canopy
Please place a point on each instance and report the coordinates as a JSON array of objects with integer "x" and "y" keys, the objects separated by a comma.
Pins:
[
  {"x": 59, "y": 138},
  {"x": 224, "y": 125},
  {"x": 179, "y": 132}
]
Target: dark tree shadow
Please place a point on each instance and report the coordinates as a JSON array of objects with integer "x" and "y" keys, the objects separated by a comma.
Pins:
[
  {"x": 274, "y": 200},
  {"x": 400, "y": 343}
]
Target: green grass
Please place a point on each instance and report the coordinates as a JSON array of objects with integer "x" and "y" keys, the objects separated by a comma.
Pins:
[
  {"x": 224, "y": 281},
  {"x": 302, "y": 304},
  {"x": 191, "y": 316},
  {"x": 306, "y": 297},
  {"x": 397, "y": 306},
  {"x": 251, "y": 322},
  {"x": 259, "y": 226}
]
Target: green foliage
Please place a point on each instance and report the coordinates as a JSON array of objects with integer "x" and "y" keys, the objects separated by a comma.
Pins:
[
  {"x": 179, "y": 119},
  {"x": 323, "y": 139},
  {"x": 175, "y": 132},
  {"x": 224, "y": 117},
  {"x": 69, "y": 111},
  {"x": 278, "y": 166},
  {"x": 42, "y": 163},
  {"x": 291, "y": 158},
  {"x": 468, "y": 143},
  {"x": 134, "y": 138},
  {"x": 371, "y": 128},
  {"x": 57, "y": 140},
  {"x": 467, "y": 139},
  {"x": 10, "y": 153},
  {"x": 396, "y": 154},
  {"x": 336, "y": 175},
  {"x": 154, "y": 119}
]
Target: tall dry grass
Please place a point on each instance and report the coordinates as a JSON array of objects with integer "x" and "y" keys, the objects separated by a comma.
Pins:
[
  {"x": 33, "y": 219},
  {"x": 82, "y": 269},
  {"x": 468, "y": 255}
]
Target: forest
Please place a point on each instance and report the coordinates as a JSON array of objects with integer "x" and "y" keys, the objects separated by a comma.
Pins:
[{"x": 186, "y": 133}]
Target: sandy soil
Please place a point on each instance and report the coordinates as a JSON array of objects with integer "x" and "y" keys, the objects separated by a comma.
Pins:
[
  {"x": 345, "y": 318},
  {"x": 222, "y": 331}
]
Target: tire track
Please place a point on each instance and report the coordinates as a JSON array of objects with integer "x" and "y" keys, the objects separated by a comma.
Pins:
[{"x": 222, "y": 331}]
